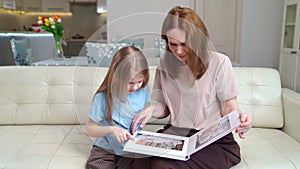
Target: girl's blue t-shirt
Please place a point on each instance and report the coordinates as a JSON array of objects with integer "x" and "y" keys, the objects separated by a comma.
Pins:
[{"x": 123, "y": 115}]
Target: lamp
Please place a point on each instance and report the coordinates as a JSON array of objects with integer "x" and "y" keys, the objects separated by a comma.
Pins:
[{"x": 101, "y": 6}]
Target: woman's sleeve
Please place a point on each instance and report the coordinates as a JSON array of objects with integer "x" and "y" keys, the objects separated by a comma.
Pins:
[
  {"x": 157, "y": 96},
  {"x": 147, "y": 95},
  {"x": 226, "y": 84}
]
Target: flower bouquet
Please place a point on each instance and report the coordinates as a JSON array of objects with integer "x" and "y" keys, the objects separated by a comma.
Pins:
[{"x": 54, "y": 25}]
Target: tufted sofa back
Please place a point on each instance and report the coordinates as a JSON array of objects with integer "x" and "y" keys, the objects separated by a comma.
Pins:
[
  {"x": 48, "y": 95},
  {"x": 63, "y": 95},
  {"x": 260, "y": 95}
]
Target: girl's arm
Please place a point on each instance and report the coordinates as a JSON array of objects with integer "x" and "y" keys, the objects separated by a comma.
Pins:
[
  {"x": 246, "y": 122},
  {"x": 93, "y": 129}
]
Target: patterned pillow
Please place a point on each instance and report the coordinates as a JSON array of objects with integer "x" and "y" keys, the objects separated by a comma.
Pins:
[
  {"x": 21, "y": 51},
  {"x": 139, "y": 43},
  {"x": 101, "y": 54}
]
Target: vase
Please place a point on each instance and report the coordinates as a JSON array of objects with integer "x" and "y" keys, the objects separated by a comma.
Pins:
[{"x": 58, "y": 53}]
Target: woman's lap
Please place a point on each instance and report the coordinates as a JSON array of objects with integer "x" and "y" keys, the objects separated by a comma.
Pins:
[{"x": 223, "y": 153}]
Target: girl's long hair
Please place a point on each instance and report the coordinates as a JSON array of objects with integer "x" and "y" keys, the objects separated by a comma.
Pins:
[{"x": 126, "y": 64}]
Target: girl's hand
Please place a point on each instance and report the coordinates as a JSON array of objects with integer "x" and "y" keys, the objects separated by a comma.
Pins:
[
  {"x": 246, "y": 124},
  {"x": 120, "y": 134}
]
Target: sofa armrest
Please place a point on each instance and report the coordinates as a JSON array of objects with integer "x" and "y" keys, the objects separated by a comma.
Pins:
[{"x": 291, "y": 107}]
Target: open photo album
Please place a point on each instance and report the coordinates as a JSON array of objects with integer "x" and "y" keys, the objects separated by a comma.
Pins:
[{"x": 179, "y": 147}]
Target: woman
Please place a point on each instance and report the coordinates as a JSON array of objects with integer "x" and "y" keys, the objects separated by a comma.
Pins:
[{"x": 195, "y": 86}]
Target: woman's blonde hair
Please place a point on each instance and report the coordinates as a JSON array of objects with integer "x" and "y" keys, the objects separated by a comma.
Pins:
[
  {"x": 126, "y": 64},
  {"x": 196, "y": 38}
]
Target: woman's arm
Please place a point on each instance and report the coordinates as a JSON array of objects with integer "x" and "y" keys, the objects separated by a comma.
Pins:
[
  {"x": 93, "y": 129},
  {"x": 229, "y": 106},
  {"x": 154, "y": 110},
  {"x": 246, "y": 122}
]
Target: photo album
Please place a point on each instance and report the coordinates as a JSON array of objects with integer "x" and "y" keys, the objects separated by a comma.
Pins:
[{"x": 179, "y": 147}]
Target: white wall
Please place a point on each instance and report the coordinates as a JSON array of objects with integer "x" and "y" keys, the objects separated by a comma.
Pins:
[
  {"x": 137, "y": 18},
  {"x": 9, "y": 21},
  {"x": 261, "y": 33},
  {"x": 261, "y": 26}
]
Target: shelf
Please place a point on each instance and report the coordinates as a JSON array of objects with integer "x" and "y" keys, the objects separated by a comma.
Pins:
[{"x": 290, "y": 24}]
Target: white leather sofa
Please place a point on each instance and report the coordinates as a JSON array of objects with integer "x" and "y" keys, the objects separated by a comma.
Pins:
[{"x": 43, "y": 111}]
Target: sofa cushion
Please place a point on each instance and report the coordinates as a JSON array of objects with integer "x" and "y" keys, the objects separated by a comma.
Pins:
[
  {"x": 268, "y": 148},
  {"x": 44, "y": 146},
  {"x": 260, "y": 95}
]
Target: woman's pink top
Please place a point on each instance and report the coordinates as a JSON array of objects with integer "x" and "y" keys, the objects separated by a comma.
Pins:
[{"x": 193, "y": 105}]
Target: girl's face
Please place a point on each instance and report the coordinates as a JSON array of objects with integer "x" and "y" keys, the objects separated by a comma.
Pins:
[
  {"x": 135, "y": 83},
  {"x": 177, "y": 44}
]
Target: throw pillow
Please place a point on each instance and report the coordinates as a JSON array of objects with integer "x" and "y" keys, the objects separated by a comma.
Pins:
[
  {"x": 101, "y": 54},
  {"x": 21, "y": 51},
  {"x": 139, "y": 43}
]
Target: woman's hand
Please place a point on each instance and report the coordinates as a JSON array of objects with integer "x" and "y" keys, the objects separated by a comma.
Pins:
[
  {"x": 142, "y": 118},
  {"x": 246, "y": 124},
  {"x": 120, "y": 134}
]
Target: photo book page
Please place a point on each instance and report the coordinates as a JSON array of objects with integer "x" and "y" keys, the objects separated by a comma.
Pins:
[{"x": 178, "y": 147}]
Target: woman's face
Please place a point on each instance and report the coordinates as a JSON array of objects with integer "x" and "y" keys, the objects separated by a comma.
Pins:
[{"x": 177, "y": 43}]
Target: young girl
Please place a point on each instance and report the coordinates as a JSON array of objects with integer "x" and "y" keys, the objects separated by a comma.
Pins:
[{"x": 120, "y": 97}]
